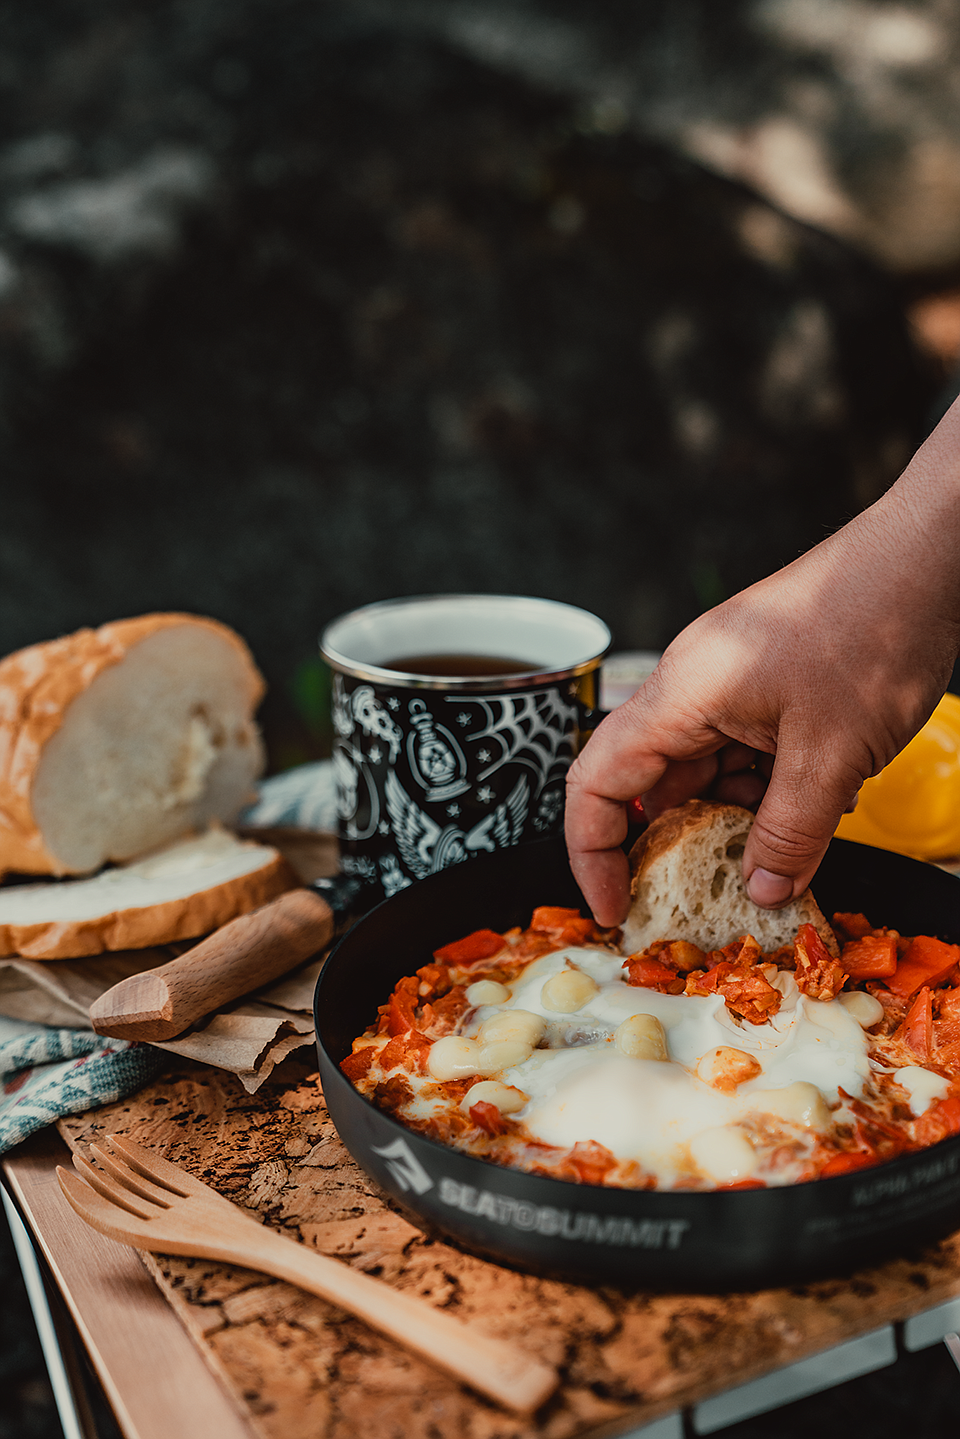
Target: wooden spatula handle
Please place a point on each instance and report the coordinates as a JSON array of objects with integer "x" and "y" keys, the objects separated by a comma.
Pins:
[{"x": 242, "y": 955}]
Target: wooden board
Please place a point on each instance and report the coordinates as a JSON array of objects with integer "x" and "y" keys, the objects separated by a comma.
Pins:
[
  {"x": 154, "y": 1377},
  {"x": 304, "y": 1370}
]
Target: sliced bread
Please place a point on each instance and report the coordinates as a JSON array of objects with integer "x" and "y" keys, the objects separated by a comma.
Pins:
[
  {"x": 687, "y": 884},
  {"x": 117, "y": 740},
  {"x": 179, "y": 892}
]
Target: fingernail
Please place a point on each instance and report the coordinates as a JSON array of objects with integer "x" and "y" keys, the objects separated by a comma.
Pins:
[{"x": 768, "y": 889}]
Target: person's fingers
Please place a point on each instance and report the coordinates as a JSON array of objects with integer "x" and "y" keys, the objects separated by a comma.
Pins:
[
  {"x": 795, "y": 822},
  {"x": 604, "y": 877},
  {"x": 611, "y": 770},
  {"x": 596, "y": 826},
  {"x": 680, "y": 781}
]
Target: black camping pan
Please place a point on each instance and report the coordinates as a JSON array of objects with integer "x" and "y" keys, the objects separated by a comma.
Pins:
[{"x": 596, "y": 1235}]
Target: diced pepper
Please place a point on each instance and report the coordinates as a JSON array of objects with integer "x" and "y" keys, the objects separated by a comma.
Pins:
[
  {"x": 356, "y": 1064},
  {"x": 917, "y": 1028},
  {"x": 745, "y": 989},
  {"x": 946, "y": 1056},
  {"x": 434, "y": 980},
  {"x": 851, "y": 926},
  {"x": 816, "y": 971},
  {"x": 646, "y": 973},
  {"x": 482, "y": 944},
  {"x": 552, "y": 916},
  {"x": 679, "y": 953},
  {"x": 847, "y": 1162},
  {"x": 440, "y": 1017},
  {"x": 927, "y": 961},
  {"x": 940, "y": 1121},
  {"x": 744, "y": 950},
  {"x": 872, "y": 957},
  {"x": 409, "y": 1050},
  {"x": 400, "y": 1009},
  {"x": 564, "y": 925},
  {"x": 488, "y": 1118},
  {"x": 946, "y": 1023},
  {"x": 741, "y": 1184},
  {"x": 590, "y": 1161}
]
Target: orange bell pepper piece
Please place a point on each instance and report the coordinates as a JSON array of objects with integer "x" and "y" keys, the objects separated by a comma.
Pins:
[
  {"x": 927, "y": 961},
  {"x": 482, "y": 944},
  {"x": 552, "y": 916},
  {"x": 847, "y": 1162},
  {"x": 917, "y": 1028},
  {"x": 872, "y": 957},
  {"x": 940, "y": 1121},
  {"x": 646, "y": 973}
]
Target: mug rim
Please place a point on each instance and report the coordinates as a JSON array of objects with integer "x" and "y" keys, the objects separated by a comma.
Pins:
[{"x": 404, "y": 679}]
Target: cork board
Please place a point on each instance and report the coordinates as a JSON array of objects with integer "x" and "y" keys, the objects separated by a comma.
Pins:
[{"x": 303, "y": 1369}]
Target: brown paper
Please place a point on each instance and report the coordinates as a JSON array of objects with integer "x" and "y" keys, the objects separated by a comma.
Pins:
[{"x": 249, "y": 1038}]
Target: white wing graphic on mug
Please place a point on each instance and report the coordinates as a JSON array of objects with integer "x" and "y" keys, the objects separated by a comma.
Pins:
[
  {"x": 425, "y": 848},
  {"x": 415, "y": 832},
  {"x": 510, "y": 817}
]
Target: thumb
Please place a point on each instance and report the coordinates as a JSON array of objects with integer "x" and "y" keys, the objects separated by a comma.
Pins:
[{"x": 794, "y": 824}]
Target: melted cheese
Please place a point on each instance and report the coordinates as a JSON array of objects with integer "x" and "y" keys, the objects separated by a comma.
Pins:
[
  {"x": 923, "y": 1087},
  {"x": 582, "y": 1087}
]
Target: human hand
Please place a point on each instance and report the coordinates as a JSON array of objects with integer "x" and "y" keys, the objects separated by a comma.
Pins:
[{"x": 790, "y": 694}]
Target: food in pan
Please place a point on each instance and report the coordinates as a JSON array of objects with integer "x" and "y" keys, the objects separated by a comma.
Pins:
[{"x": 710, "y": 1045}]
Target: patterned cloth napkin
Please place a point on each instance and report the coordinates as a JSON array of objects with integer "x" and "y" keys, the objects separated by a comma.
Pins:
[{"x": 47, "y": 1073}]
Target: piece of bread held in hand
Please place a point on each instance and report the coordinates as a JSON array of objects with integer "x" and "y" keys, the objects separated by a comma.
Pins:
[
  {"x": 179, "y": 892},
  {"x": 117, "y": 740},
  {"x": 687, "y": 883}
]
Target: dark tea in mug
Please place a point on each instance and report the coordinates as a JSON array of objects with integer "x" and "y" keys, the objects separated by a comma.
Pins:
[
  {"x": 460, "y": 666},
  {"x": 456, "y": 718}
]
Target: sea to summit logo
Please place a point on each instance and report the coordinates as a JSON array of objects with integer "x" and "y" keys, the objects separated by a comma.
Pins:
[{"x": 404, "y": 1166}]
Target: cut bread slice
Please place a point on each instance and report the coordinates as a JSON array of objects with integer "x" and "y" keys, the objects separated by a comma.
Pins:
[
  {"x": 688, "y": 884},
  {"x": 117, "y": 740},
  {"x": 179, "y": 892}
]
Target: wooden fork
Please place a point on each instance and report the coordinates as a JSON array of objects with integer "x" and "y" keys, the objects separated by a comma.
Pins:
[{"x": 139, "y": 1199}]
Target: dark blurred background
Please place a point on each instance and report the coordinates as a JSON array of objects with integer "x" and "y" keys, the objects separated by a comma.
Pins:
[
  {"x": 313, "y": 302},
  {"x": 307, "y": 303}
]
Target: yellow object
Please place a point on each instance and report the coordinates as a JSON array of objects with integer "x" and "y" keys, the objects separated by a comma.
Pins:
[{"x": 913, "y": 806}]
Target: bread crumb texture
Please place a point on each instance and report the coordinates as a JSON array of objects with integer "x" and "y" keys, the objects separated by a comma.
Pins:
[{"x": 117, "y": 740}]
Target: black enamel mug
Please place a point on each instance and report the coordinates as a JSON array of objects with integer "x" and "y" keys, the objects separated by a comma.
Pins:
[{"x": 456, "y": 718}]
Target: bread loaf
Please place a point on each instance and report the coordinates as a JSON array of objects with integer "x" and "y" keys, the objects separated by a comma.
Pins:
[
  {"x": 117, "y": 740},
  {"x": 687, "y": 884},
  {"x": 179, "y": 892}
]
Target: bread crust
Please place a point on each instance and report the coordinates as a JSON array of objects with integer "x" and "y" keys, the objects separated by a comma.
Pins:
[
  {"x": 37, "y": 687},
  {"x": 152, "y": 924},
  {"x": 675, "y": 828}
]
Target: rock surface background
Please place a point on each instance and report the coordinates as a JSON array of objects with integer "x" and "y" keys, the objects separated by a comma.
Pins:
[
  {"x": 846, "y": 113},
  {"x": 302, "y": 306}
]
